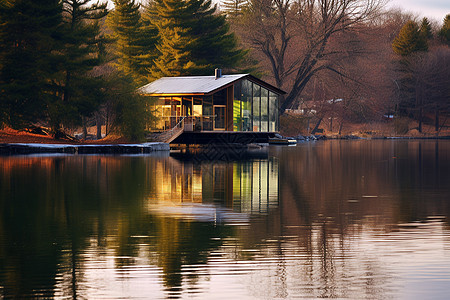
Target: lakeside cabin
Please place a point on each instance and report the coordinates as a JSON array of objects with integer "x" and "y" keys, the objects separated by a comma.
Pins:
[{"x": 212, "y": 104}]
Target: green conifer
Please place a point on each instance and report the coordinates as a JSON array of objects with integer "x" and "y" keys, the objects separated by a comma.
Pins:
[
  {"x": 425, "y": 28},
  {"x": 216, "y": 46},
  {"x": 124, "y": 21},
  {"x": 134, "y": 40},
  {"x": 193, "y": 39},
  {"x": 28, "y": 34},
  {"x": 444, "y": 32},
  {"x": 409, "y": 40},
  {"x": 148, "y": 41},
  {"x": 82, "y": 44},
  {"x": 174, "y": 59}
]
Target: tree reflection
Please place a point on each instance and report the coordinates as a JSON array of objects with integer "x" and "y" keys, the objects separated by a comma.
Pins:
[
  {"x": 303, "y": 213},
  {"x": 332, "y": 193},
  {"x": 52, "y": 207},
  {"x": 48, "y": 206}
]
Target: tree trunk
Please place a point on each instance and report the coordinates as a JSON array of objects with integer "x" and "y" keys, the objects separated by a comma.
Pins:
[
  {"x": 107, "y": 114},
  {"x": 309, "y": 121},
  {"x": 84, "y": 128},
  {"x": 436, "y": 120},
  {"x": 98, "y": 120},
  {"x": 317, "y": 126},
  {"x": 420, "y": 119}
]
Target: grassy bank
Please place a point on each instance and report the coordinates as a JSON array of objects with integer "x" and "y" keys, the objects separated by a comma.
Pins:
[{"x": 294, "y": 125}]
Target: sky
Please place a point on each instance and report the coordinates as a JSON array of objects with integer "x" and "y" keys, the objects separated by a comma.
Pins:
[{"x": 432, "y": 9}]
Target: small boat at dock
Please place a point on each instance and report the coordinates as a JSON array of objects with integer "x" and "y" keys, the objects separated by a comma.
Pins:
[{"x": 282, "y": 141}]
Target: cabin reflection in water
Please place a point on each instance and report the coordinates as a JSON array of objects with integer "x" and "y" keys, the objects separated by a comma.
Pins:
[{"x": 243, "y": 186}]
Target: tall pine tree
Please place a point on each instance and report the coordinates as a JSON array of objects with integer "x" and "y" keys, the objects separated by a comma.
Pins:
[
  {"x": 193, "y": 39},
  {"x": 174, "y": 39},
  {"x": 444, "y": 32},
  {"x": 149, "y": 39},
  {"x": 216, "y": 46},
  {"x": 81, "y": 44},
  {"x": 409, "y": 40},
  {"x": 28, "y": 34},
  {"x": 174, "y": 59},
  {"x": 134, "y": 40},
  {"x": 124, "y": 21},
  {"x": 425, "y": 28}
]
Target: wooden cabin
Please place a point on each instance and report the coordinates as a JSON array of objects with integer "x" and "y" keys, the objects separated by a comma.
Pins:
[{"x": 226, "y": 103}]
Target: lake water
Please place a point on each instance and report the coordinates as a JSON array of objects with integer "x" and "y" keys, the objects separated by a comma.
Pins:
[{"x": 341, "y": 219}]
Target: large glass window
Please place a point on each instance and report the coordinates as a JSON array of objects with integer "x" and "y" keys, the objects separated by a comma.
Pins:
[
  {"x": 219, "y": 109},
  {"x": 237, "y": 119},
  {"x": 187, "y": 106},
  {"x": 256, "y": 107},
  {"x": 264, "y": 110},
  {"x": 237, "y": 110},
  {"x": 164, "y": 110},
  {"x": 207, "y": 113},
  {"x": 176, "y": 111},
  {"x": 156, "y": 123},
  {"x": 273, "y": 112},
  {"x": 246, "y": 98},
  {"x": 219, "y": 117},
  {"x": 197, "y": 108}
]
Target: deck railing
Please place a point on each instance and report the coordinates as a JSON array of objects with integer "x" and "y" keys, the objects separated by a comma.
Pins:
[
  {"x": 181, "y": 122},
  {"x": 191, "y": 123}
]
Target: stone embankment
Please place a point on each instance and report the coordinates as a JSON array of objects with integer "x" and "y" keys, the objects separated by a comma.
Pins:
[
  {"x": 306, "y": 138},
  {"x": 36, "y": 148}
]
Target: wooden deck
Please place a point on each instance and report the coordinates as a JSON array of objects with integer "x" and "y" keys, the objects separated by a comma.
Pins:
[{"x": 222, "y": 137}]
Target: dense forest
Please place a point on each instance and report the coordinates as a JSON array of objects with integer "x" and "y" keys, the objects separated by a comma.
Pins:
[{"x": 67, "y": 64}]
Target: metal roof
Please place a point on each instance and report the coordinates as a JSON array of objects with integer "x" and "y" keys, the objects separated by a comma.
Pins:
[{"x": 194, "y": 84}]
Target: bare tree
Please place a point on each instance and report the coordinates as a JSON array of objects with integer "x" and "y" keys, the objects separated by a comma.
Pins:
[
  {"x": 293, "y": 36},
  {"x": 431, "y": 73},
  {"x": 368, "y": 95}
]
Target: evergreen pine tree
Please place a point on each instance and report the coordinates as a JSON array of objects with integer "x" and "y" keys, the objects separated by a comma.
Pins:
[
  {"x": 173, "y": 39},
  {"x": 444, "y": 32},
  {"x": 28, "y": 34},
  {"x": 174, "y": 59},
  {"x": 425, "y": 28},
  {"x": 134, "y": 40},
  {"x": 193, "y": 39},
  {"x": 124, "y": 21},
  {"x": 409, "y": 40},
  {"x": 149, "y": 40},
  {"x": 216, "y": 46},
  {"x": 128, "y": 108},
  {"x": 82, "y": 42}
]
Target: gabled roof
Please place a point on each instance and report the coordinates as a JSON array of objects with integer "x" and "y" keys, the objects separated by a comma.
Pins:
[{"x": 197, "y": 85}]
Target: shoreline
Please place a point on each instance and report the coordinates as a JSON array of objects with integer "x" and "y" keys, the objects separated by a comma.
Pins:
[
  {"x": 25, "y": 148},
  {"x": 446, "y": 137},
  {"x": 305, "y": 138},
  {"x": 43, "y": 148}
]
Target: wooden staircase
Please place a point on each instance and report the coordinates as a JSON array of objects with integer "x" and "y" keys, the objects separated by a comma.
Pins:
[
  {"x": 169, "y": 135},
  {"x": 165, "y": 136}
]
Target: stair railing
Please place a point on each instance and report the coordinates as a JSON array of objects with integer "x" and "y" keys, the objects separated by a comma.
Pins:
[{"x": 179, "y": 122}]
